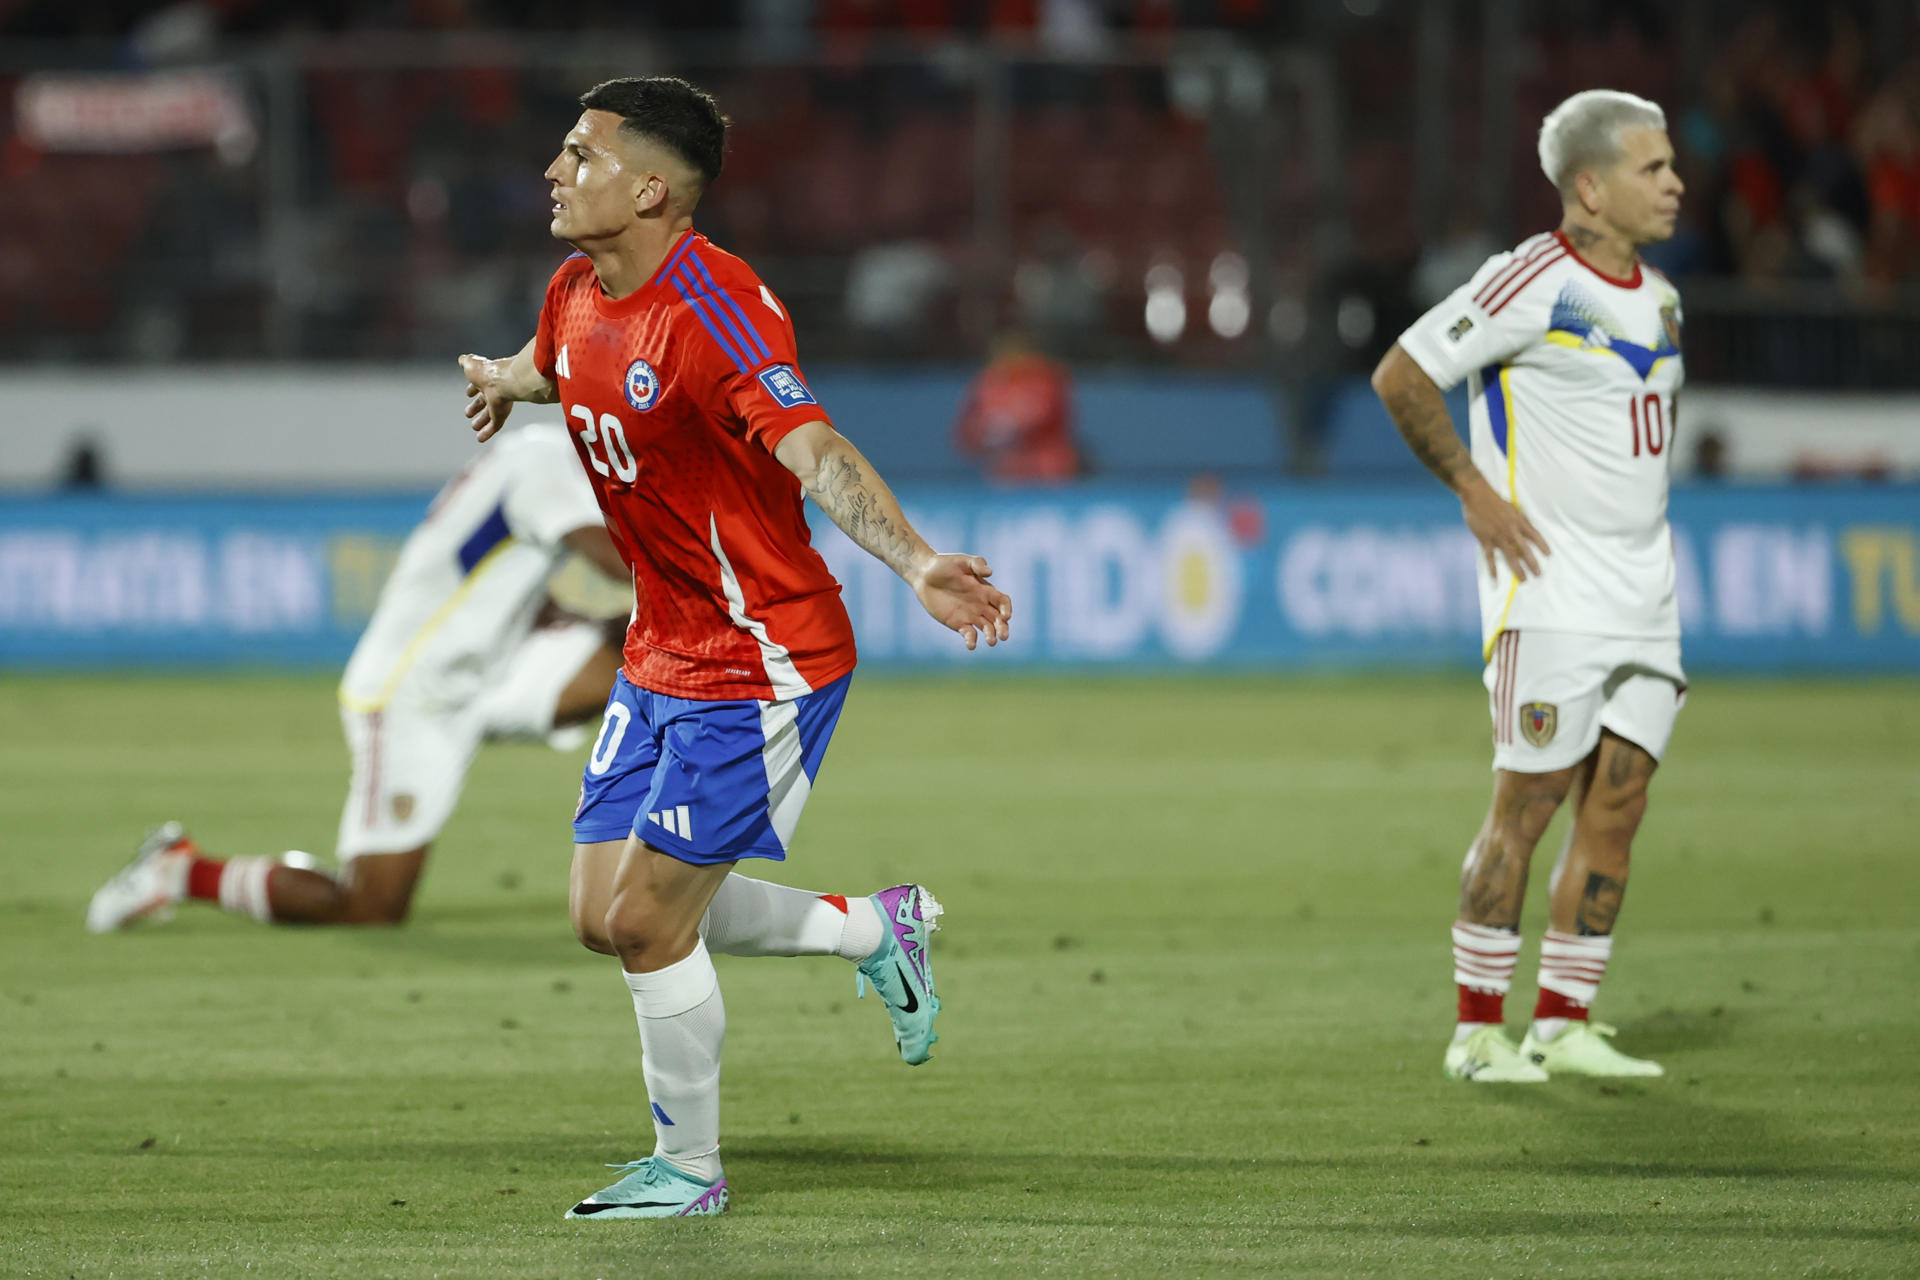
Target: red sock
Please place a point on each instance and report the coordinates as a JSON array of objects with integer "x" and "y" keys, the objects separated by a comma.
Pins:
[
  {"x": 203, "y": 878},
  {"x": 1552, "y": 1004},
  {"x": 836, "y": 900},
  {"x": 1481, "y": 1006}
]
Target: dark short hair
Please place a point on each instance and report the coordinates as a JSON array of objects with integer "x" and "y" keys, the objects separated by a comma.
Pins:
[{"x": 667, "y": 110}]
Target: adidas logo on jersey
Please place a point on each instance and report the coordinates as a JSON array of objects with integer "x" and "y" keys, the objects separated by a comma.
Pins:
[{"x": 675, "y": 820}]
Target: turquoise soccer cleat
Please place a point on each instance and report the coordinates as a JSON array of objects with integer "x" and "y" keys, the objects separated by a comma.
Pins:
[
  {"x": 902, "y": 969},
  {"x": 654, "y": 1189}
]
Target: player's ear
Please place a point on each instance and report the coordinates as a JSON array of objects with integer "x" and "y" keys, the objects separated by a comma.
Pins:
[{"x": 651, "y": 193}]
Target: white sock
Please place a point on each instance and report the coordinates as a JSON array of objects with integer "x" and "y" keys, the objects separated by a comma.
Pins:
[
  {"x": 243, "y": 886},
  {"x": 759, "y": 918},
  {"x": 682, "y": 1022},
  {"x": 1571, "y": 966}
]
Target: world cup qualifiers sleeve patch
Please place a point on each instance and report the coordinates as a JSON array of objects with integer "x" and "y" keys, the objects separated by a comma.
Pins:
[
  {"x": 784, "y": 385},
  {"x": 1461, "y": 328}
]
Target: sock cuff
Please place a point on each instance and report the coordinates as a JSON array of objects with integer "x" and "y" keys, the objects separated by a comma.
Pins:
[
  {"x": 1485, "y": 938},
  {"x": 682, "y": 985},
  {"x": 1576, "y": 946},
  {"x": 243, "y": 887}
]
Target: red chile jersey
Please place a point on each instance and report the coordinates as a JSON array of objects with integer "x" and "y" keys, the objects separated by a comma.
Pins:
[{"x": 677, "y": 395}]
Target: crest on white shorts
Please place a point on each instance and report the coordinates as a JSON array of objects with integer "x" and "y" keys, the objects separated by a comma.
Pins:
[{"x": 1538, "y": 720}]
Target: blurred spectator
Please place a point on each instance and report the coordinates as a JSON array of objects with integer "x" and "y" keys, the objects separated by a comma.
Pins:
[
  {"x": 1710, "y": 456},
  {"x": 1017, "y": 421},
  {"x": 84, "y": 470}
]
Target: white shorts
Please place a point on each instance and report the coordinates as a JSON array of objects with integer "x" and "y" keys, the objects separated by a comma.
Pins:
[
  {"x": 410, "y": 762},
  {"x": 1552, "y": 692},
  {"x": 410, "y": 759}
]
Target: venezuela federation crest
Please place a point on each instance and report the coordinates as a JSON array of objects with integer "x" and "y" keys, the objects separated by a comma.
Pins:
[{"x": 1538, "y": 720}]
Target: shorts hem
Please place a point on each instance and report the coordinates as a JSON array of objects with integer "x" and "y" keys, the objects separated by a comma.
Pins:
[{"x": 600, "y": 835}]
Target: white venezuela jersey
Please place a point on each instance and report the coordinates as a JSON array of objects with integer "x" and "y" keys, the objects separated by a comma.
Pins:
[
  {"x": 1572, "y": 376},
  {"x": 470, "y": 579}
]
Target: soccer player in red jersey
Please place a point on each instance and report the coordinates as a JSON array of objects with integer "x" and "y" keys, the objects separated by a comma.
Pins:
[{"x": 675, "y": 368}]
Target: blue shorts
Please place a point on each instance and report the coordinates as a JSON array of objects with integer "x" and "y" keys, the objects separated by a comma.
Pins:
[{"x": 706, "y": 782}]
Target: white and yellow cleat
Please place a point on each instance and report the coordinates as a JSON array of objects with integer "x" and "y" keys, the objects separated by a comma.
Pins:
[
  {"x": 1582, "y": 1050},
  {"x": 1488, "y": 1057}
]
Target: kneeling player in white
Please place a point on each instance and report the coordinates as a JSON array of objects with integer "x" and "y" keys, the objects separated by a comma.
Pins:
[
  {"x": 1572, "y": 349},
  {"x": 423, "y": 688}
]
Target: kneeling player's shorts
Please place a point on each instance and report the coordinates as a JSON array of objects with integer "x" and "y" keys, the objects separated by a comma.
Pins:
[
  {"x": 410, "y": 762},
  {"x": 706, "y": 782},
  {"x": 1552, "y": 692},
  {"x": 410, "y": 758}
]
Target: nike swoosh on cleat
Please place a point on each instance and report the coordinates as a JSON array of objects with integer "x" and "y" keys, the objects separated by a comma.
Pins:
[
  {"x": 587, "y": 1207},
  {"x": 912, "y": 1001}
]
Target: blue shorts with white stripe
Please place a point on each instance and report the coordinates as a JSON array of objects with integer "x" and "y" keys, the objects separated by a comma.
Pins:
[{"x": 705, "y": 782}]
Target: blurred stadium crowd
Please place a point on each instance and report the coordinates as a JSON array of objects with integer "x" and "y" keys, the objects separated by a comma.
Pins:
[{"x": 1213, "y": 183}]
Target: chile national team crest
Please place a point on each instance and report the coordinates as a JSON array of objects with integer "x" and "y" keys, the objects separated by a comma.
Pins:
[
  {"x": 1538, "y": 720},
  {"x": 642, "y": 385}
]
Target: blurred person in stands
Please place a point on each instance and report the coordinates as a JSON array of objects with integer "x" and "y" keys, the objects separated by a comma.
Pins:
[
  {"x": 1572, "y": 347},
  {"x": 452, "y": 655},
  {"x": 1017, "y": 418}
]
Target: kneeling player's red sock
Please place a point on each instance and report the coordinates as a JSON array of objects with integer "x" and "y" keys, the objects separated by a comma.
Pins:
[
  {"x": 203, "y": 878},
  {"x": 238, "y": 884}
]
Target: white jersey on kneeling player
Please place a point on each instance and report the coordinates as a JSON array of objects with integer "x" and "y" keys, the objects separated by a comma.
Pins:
[
  {"x": 1572, "y": 378},
  {"x": 470, "y": 579}
]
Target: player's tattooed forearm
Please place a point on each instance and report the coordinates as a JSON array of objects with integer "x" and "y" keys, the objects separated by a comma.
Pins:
[
  {"x": 840, "y": 488},
  {"x": 1599, "y": 905},
  {"x": 1429, "y": 433}
]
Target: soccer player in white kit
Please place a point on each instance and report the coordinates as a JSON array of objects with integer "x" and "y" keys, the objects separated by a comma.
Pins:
[
  {"x": 451, "y": 656},
  {"x": 1571, "y": 349}
]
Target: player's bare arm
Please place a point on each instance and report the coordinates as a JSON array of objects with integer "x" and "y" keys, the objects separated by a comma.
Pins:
[
  {"x": 1419, "y": 413},
  {"x": 953, "y": 588},
  {"x": 494, "y": 385},
  {"x": 595, "y": 544}
]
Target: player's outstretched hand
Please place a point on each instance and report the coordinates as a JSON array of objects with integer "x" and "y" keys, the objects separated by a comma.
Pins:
[
  {"x": 1503, "y": 529},
  {"x": 487, "y": 402},
  {"x": 955, "y": 590}
]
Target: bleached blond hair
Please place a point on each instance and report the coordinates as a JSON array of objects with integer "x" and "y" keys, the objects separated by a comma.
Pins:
[{"x": 1584, "y": 132}]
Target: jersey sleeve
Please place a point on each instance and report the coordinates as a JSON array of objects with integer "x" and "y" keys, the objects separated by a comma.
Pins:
[
  {"x": 548, "y": 496},
  {"x": 760, "y": 372},
  {"x": 1486, "y": 321}
]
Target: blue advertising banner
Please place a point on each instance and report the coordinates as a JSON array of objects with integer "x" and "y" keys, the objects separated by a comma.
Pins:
[{"x": 1143, "y": 578}]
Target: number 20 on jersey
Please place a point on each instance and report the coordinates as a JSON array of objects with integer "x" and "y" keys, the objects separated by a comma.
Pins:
[{"x": 609, "y": 436}]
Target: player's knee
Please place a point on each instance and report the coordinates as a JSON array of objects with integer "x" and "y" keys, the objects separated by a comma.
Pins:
[
  {"x": 1521, "y": 821},
  {"x": 1617, "y": 810},
  {"x": 629, "y": 925},
  {"x": 591, "y": 929}
]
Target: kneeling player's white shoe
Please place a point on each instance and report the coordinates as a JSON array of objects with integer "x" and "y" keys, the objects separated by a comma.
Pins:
[
  {"x": 1582, "y": 1050},
  {"x": 1488, "y": 1057},
  {"x": 145, "y": 887}
]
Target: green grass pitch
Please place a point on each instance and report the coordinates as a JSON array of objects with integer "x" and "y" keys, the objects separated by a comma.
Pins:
[{"x": 1196, "y": 981}]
